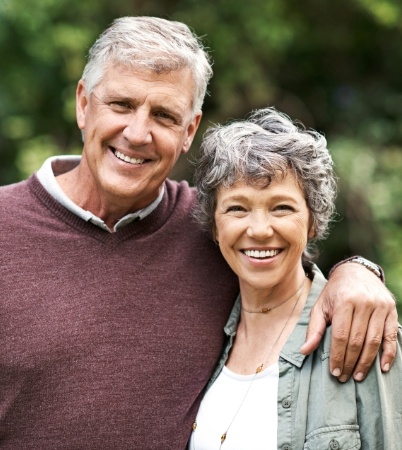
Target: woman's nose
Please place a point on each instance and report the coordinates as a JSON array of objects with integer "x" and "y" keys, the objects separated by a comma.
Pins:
[{"x": 260, "y": 226}]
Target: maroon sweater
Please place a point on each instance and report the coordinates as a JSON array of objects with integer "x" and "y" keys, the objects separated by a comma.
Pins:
[{"x": 106, "y": 340}]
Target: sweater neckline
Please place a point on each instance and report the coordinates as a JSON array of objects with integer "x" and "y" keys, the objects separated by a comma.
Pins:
[{"x": 142, "y": 227}]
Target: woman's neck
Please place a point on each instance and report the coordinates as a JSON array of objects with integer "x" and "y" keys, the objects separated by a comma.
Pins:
[
  {"x": 261, "y": 336},
  {"x": 267, "y": 298}
]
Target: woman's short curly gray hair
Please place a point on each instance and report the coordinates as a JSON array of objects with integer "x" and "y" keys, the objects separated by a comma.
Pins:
[
  {"x": 150, "y": 43},
  {"x": 259, "y": 149}
]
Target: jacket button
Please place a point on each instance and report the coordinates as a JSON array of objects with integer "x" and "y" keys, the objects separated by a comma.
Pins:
[
  {"x": 286, "y": 403},
  {"x": 334, "y": 445},
  {"x": 286, "y": 447}
]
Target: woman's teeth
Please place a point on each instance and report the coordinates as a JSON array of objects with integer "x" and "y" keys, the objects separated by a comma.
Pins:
[{"x": 261, "y": 254}]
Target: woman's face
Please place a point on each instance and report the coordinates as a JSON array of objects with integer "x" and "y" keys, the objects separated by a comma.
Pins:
[{"x": 262, "y": 231}]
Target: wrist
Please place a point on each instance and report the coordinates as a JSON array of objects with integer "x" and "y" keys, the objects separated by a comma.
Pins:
[{"x": 372, "y": 267}]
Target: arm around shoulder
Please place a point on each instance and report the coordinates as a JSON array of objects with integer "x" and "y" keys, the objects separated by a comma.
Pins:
[{"x": 363, "y": 316}]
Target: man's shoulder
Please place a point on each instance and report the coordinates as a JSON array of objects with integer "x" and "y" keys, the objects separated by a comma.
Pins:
[
  {"x": 15, "y": 201},
  {"x": 21, "y": 200},
  {"x": 182, "y": 185},
  {"x": 12, "y": 192},
  {"x": 181, "y": 193}
]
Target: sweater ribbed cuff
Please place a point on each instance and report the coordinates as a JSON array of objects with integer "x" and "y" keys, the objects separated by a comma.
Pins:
[{"x": 380, "y": 269}]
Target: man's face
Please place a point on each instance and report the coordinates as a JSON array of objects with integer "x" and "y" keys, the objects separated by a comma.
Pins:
[{"x": 135, "y": 123}]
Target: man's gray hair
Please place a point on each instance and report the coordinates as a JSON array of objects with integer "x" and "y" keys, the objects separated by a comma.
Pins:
[
  {"x": 150, "y": 43},
  {"x": 258, "y": 150}
]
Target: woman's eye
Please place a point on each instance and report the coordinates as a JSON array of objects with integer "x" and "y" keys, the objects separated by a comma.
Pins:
[
  {"x": 235, "y": 208},
  {"x": 284, "y": 208}
]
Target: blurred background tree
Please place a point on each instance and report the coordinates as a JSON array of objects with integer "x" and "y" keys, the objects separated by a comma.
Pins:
[{"x": 335, "y": 66}]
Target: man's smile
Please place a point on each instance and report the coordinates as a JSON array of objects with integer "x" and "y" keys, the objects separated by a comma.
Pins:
[{"x": 127, "y": 158}]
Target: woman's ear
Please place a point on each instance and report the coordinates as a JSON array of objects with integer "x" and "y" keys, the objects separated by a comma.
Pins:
[
  {"x": 216, "y": 236},
  {"x": 311, "y": 231}
]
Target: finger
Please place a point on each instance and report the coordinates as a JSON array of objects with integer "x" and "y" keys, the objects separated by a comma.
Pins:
[
  {"x": 363, "y": 345},
  {"x": 389, "y": 341},
  {"x": 371, "y": 344},
  {"x": 382, "y": 328},
  {"x": 364, "y": 342},
  {"x": 341, "y": 327},
  {"x": 315, "y": 330}
]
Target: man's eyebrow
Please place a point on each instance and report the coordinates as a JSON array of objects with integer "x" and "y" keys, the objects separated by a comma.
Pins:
[{"x": 120, "y": 97}]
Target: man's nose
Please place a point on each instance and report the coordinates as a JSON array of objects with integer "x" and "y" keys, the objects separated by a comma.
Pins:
[{"x": 137, "y": 129}]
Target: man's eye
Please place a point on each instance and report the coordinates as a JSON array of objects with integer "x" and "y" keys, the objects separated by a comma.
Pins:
[
  {"x": 165, "y": 116},
  {"x": 119, "y": 106}
]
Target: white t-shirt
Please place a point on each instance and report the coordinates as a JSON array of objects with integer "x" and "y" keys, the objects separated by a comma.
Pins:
[{"x": 256, "y": 423}]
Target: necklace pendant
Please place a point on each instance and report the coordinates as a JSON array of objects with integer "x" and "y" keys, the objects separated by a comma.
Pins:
[
  {"x": 259, "y": 368},
  {"x": 265, "y": 310},
  {"x": 223, "y": 438}
]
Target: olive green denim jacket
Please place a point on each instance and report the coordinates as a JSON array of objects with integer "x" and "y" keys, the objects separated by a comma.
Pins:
[{"x": 315, "y": 411}]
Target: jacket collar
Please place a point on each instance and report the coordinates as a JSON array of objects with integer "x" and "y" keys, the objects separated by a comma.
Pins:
[{"x": 291, "y": 350}]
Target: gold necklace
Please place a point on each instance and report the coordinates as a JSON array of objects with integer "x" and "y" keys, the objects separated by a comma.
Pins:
[
  {"x": 259, "y": 368},
  {"x": 266, "y": 310}
]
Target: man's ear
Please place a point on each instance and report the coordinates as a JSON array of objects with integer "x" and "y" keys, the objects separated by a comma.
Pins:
[
  {"x": 81, "y": 104},
  {"x": 191, "y": 130}
]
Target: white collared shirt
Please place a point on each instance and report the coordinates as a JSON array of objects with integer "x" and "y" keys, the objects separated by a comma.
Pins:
[{"x": 48, "y": 179}]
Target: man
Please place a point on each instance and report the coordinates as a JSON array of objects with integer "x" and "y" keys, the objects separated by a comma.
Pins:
[{"x": 113, "y": 301}]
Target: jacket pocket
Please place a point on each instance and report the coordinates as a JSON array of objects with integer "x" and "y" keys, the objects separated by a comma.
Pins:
[{"x": 342, "y": 437}]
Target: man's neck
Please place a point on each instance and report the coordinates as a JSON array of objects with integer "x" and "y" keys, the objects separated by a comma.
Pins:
[
  {"x": 102, "y": 205},
  {"x": 59, "y": 177}
]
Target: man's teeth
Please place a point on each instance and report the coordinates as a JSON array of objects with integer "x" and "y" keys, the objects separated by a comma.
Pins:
[
  {"x": 128, "y": 159},
  {"x": 261, "y": 254}
]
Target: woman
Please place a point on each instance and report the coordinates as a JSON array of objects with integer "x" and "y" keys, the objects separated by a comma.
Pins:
[{"x": 266, "y": 191}]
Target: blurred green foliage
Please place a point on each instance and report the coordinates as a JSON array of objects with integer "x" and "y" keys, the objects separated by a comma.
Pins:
[{"x": 333, "y": 65}]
